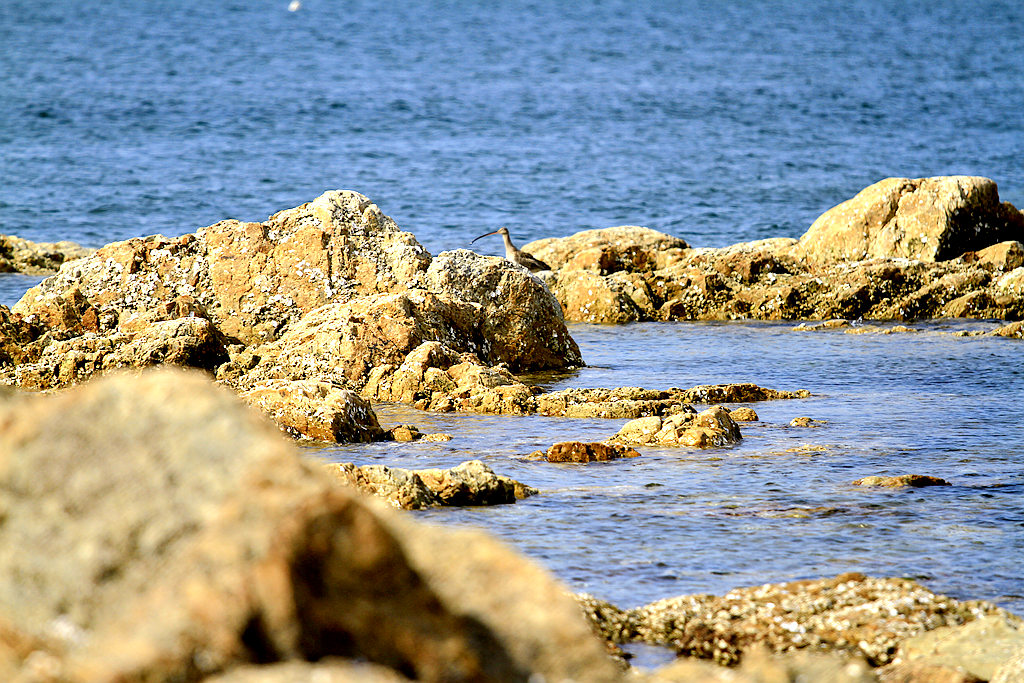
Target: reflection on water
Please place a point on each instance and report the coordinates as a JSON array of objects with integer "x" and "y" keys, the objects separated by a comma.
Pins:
[{"x": 779, "y": 505}]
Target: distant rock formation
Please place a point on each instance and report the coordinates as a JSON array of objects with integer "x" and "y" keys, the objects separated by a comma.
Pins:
[{"x": 902, "y": 249}]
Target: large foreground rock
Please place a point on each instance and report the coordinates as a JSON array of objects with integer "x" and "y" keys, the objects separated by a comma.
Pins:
[{"x": 155, "y": 529}]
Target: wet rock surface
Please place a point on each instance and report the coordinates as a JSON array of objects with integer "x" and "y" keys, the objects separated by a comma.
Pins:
[
  {"x": 979, "y": 648},
  {"x": 209, "y": 545},
  {"x": 902, "y": 249},
  {"x": 470, "y": 483}
]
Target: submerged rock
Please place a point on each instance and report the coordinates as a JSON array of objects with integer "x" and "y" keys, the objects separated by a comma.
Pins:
[
  {"x": 902, "y": 481},
  {"x": 470, "y": 483},
  {"x": 209, "y": 544}
]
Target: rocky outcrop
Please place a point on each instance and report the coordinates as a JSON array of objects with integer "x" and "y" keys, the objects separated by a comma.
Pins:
[
  {"x": 924, "y": 219},
  {"x": 712, "y": 428},
  {"x": 902, "y": 481},
  {"x": 470, "y": 483},
  {"x": 209, "y": 545},
  {"x": 19, "y": 255},
  {"x": 577, "y": 451},
  {"x": 331, "y": 293},
  {"x": 902, "y": 249},
  {"x": 850, "y": 614}
]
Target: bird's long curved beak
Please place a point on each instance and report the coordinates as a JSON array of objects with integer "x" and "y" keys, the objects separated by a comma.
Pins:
[{"x": 495, "y": 232}]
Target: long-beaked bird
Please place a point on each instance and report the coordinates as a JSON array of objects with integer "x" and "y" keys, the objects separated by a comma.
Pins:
[{"x": 515, "y": 255}]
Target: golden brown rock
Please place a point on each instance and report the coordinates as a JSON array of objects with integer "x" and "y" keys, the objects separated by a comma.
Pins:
[
  {"x": 927, "y": 219},
  {"x": 577, "y": 451}
]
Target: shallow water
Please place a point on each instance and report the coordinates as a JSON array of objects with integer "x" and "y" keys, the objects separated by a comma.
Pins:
[{"x": 678, "y": 521}]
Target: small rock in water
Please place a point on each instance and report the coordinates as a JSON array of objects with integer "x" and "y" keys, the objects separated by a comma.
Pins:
[
  {"x": 743, "y": 414},
  {"x": 805, "y": 422},
  {"x": 577, "y": 451},
  {"x": 901, "y": 481}
]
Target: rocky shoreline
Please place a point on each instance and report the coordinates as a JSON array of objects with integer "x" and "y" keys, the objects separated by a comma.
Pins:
[{"x": 265, "y": 566}]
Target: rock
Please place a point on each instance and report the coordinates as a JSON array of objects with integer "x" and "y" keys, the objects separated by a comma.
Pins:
[
  {"x": 712, "y": 428},
  {"x": 470, "y": 483},
  {"x": 19, "y": 255},
  {"x": 850, "y": 614},
  {"x": 16, "y": 336},
  {"x": 1005, "y": 256},
  {"x": 618, "y": 403},
  {"x": 738, "y": 393},
  {"x": 609, "y": 250},
  {"x": 916, "y": 672},
  {"x": 188, "y": 342},
  {"x": 804, "y": 422},
  {"x": 1011, "y": 670},
  {"x": 209, "y": 543},
  {"x": 520, "y": 319},
  {"x": 331, "y": 670},
  {"x": 904, "y": 278},
  {"x": 901, "y": 481},
  {"x": 316, "y": 410},
  {"x": 928, "y": 219},
  {"x": 1013, "y": 330},
  {"x": 577, "y": 451},
  {"x": 760, "y": 666},
  {"x": 334, "y": 261},
  {"x": 978, "y": 647},
  {"x": 743, "y": 414}
]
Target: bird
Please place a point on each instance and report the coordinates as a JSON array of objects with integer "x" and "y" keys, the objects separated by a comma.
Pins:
[{"x": 518, "y": 256}]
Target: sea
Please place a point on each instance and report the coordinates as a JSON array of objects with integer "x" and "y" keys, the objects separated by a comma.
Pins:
[{"x": 717, "y": 122}]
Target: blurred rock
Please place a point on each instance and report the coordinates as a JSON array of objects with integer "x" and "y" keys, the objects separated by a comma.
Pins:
[
  {"x": 979, "y": 647},
  {"x": 193, "y": 539},
  {"x": 469, "y": 483},
  {"x": 759, "y": 666},
  {"x": 19, "y": 255}
]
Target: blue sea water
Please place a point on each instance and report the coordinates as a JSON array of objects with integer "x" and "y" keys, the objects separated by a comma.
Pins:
[{"x": 717, "y": 122}]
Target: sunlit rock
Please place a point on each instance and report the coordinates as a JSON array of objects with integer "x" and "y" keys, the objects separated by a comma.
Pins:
[{"x": 712, "y": 428}]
